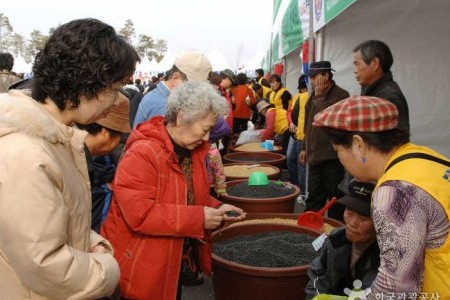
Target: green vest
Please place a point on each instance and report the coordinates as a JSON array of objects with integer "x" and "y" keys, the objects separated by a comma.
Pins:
[{"x": 434, "y": 178}]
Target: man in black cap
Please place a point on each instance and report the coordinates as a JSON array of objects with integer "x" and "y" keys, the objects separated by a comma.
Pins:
[
  {"x": 350, "y": 253},
  {"x": 325, "y": 170}
]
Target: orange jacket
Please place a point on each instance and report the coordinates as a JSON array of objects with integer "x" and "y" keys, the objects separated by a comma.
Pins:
[
  {"x": 242, "y": 109},
  {"x": 149, "y": 216}
]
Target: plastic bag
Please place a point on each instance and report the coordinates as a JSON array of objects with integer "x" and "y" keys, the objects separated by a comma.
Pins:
[{"x": 249, "y": 136}]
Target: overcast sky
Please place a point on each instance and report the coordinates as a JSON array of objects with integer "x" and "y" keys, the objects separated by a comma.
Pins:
[{"x": 201, "y": 25}]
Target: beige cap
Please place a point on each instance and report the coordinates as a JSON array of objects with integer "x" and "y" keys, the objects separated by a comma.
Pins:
[
  {"x": 194, "y": 65},
  {"x": 118, "y": 118},
  {"x": 261, "y": 105}
]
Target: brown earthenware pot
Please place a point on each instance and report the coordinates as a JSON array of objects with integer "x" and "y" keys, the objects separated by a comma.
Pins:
[
  {"x": 274, "y": 176},
  {"x": 290, "y": 216},
  {"x": 283, "y": 204},
  {"x": 268, "y": 158},
  {"x": 236, "y": 281},
  {"x": 276, "y": 149}
]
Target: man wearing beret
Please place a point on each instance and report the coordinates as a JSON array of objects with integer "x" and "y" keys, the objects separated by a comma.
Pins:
[{"x": 325, "y": 170}]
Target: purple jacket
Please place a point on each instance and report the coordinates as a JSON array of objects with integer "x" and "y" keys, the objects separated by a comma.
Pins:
[{"x": 220, "y": 130}]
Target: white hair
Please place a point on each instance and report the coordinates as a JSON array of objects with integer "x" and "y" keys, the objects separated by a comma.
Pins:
[{"x": 196, "y": 100}]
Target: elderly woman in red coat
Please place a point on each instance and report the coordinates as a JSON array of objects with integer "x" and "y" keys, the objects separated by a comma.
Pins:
[{"x": 161, "y": 209}]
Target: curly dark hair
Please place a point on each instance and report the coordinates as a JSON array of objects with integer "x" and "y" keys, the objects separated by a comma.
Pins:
[{"x": 82, "y": 57}]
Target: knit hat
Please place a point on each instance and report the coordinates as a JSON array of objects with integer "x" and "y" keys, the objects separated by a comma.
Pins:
[
  {"x": 318, "y": 67},
  {"x": 230, "y": 74},
  {"x": 194, "y": 65},
  {"x": 118, "y": 118},
  {"x": 358, "y": 198},
  {"x": 359, "y": 113}
]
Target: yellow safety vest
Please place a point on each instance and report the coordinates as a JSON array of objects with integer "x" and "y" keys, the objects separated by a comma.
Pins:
[
  {"x": 266, "y": 90},
  {"x": 275, "y": 97},
  {"x": 300, "y": 134},
  {"x": 281, "y": 122},
  {"x": 434, "y": 178}
]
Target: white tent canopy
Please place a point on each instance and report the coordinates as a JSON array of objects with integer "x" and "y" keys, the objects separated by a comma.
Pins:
[
  {"x": 20, "y": 66},
  {"x": 146, "y": 69},
  {"x": 255, "y": 62},
  {"x": 147, "y": 66},
  {"x": 167, "y": 62},
  {"x": 218, "y": 60}
]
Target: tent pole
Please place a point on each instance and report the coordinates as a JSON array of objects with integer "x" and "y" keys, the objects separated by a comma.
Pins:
[
  {"x": 311, "y": 40},
  {"x": 310, "y": 60}
]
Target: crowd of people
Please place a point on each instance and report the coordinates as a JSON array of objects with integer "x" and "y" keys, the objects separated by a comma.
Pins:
[{"x": 111, "y": 187}]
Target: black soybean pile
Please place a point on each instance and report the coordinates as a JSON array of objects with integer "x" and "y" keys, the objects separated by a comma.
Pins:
[
  {"x": 274, "y": 249},
  {"x": 272, "y": 190}
]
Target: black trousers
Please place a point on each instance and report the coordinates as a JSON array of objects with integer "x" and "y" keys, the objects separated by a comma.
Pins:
[
  {"x": 239, "y": 125},
  {"x": 179, "y": 290},
  {"x": 323, "y": 181},
  {"x": 285, "y": 141}
]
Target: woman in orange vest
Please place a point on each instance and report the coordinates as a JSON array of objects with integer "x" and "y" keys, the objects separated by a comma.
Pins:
[{"x": 411, "y": 202}]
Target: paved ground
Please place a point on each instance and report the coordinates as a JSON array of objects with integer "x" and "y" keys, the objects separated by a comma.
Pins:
[{"x": 204, "y": 291}]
